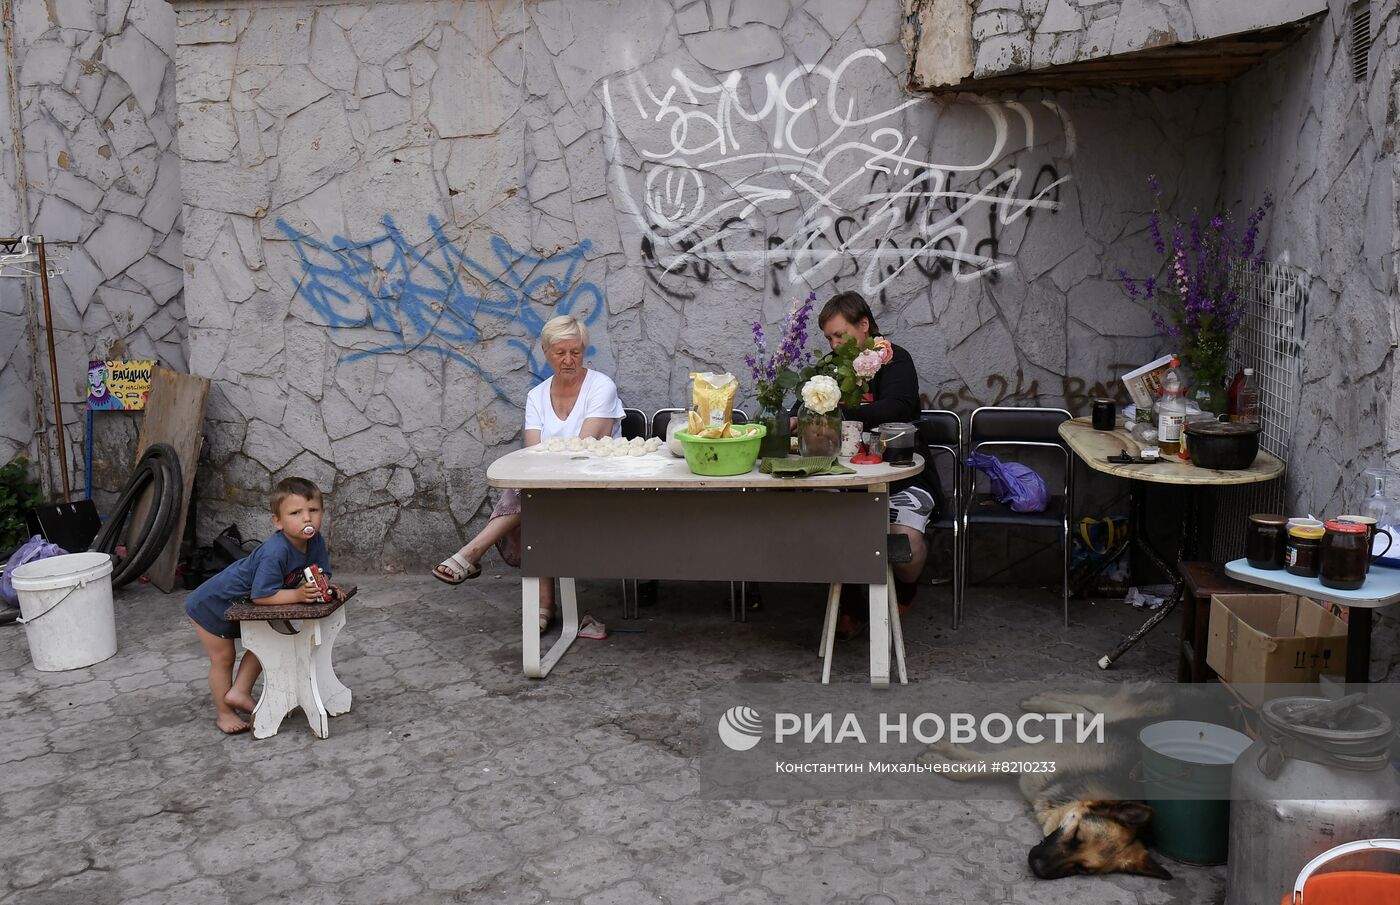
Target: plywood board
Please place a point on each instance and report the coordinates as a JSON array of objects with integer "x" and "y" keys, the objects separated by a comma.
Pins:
[{"x": 174, "y": 415}]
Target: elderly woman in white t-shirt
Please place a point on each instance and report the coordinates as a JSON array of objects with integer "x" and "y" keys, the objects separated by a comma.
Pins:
[{"x": 575, "y": 402}]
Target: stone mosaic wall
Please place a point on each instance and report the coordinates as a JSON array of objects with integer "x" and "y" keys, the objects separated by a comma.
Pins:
[
  {"x": 1303, "y": 127},
  {"x": 384, "y": 203},
  {"x": 95, "y": 90}
]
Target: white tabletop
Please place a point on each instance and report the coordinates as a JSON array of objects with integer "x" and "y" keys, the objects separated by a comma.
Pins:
[
  {"x": 1094, "y": 446},
  {"x": 1382, "y": 586},
  {"x": 529, "y": 469}
]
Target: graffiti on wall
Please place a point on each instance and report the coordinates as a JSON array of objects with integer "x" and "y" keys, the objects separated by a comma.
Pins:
[
  {"x": 1001, "y": 389},
  {"x": 808, "y": 187},
  {"x": 435, "y": 301}
]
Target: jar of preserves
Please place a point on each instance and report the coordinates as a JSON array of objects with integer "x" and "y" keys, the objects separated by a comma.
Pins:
[
  {"x": 1344, "y": 556},
  {"x": 1301, "y": 554},
  {"x": 1265, "y": 540}
]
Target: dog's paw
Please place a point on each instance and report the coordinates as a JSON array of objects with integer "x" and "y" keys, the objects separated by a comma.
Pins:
[{"x": 1047, "y": 702}]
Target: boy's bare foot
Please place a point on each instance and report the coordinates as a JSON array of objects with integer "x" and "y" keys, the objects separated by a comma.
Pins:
[
  {"x": 231, "y": 723},
  {"x": 241, "y": 701}
]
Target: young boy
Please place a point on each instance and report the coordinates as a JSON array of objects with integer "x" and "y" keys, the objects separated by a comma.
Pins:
[{"x": 270, "y": 576}]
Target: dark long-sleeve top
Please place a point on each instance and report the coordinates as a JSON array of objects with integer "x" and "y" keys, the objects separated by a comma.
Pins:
[{"x": 893, "y": 394}]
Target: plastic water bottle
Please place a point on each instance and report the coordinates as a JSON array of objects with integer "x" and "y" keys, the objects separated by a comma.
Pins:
[
  {"x": 1171, "y": 411},
  {"x": 1249, "y": 399}
]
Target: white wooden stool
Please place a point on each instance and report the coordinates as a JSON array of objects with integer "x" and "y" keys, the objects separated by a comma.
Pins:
[
  {"x": 833, "y": 604},
  {"x": 296, "y": 662}
]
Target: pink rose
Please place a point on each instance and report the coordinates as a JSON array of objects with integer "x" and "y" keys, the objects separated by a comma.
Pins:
[
  {"x": 867, "y": 364},
  {"x": 885, "y": 348}
]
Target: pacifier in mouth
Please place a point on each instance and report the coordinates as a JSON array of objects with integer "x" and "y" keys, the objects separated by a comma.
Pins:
[{"x": 308, "y": 531}]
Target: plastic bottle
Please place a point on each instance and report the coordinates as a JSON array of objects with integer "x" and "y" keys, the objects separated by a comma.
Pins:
[
  {"x": 1249, "y": 399},
  {"x": 1171, "y": 412},
  {"x": 1232, "y": 396}
]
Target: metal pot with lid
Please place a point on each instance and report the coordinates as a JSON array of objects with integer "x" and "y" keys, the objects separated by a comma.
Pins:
[
  {"x": 1222, "y": 445},
  {"x": 897, "y": 442}
]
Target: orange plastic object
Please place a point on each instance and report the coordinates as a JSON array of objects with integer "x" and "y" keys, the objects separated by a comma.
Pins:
[{"x": 1349, "y": 887}]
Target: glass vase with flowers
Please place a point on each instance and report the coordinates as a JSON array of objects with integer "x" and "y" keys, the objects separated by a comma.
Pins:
[
  {"x": 774, "y": 374},
  {"x": 1198, "y": 302},
  {"x": 839, "y": 378}
]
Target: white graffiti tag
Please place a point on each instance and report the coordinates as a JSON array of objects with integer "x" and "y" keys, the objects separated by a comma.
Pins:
[{"x": 792, "y": 173}]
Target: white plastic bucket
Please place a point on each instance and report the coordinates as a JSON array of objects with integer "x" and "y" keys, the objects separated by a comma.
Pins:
[{"x": 65, "y": 605}]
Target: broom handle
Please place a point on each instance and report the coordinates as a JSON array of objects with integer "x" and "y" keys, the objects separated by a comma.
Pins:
[{"x": 53, "y": 367}]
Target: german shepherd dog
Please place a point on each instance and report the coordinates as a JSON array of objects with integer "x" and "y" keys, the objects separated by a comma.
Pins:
[{"x": 1090, "y": 820}]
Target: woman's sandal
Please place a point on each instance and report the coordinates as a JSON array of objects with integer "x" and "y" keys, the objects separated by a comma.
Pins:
[
  {"x": 592, "y": 629},
  {"x": 455, "y": 570}
]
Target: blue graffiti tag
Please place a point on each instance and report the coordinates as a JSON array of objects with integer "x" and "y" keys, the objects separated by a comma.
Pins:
[{"x": 421, "y": 300}]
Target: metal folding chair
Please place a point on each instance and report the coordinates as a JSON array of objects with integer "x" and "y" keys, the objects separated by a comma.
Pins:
[
  {"x": 941, "y": 431},
  {"x": 634, "y": 424},
  {"x": 996, "y": 427},
  {"x": 738, "y": 603},
  {"x": 660, "y": 420}
]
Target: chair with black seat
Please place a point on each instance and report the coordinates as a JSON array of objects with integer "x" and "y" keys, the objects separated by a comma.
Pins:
[
  {"x": 941, "y": 432},
  {"x": 660, "y": 422},
  {"x": 634, "y": 424},
  {"x": 661, "y": 419},
  {"x": 1015, "y": 427}
]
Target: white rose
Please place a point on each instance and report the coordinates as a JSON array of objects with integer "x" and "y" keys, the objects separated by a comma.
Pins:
[{"x": 821, "y": 394}]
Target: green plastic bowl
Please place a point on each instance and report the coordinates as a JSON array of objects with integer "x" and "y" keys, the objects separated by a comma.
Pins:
[{"x": 719, "y": 458}]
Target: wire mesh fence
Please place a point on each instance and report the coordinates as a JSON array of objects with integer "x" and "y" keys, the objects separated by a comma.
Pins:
[{"x": 1270, "y": 340}]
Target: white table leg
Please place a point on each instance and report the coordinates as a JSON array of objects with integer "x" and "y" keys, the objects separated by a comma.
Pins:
[
  {"x": 880, "y": 635},
  {"x": 833, "y": 603},
  {"x": 896, "y": 630},
  {"x": 535, "y": 667}
]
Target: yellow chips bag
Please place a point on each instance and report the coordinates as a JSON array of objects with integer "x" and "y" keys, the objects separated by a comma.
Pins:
[{"x": 713, "y": 396}]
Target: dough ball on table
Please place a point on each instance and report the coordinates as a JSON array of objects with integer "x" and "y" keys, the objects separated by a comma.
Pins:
[
  {"x": 653, "y": 444},
  {"x": 573, "y": 444},
  {"x": 636, "y": 451}
]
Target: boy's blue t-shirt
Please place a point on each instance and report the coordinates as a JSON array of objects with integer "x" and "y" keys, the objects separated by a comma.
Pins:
[{"x": 274, "y": 565}]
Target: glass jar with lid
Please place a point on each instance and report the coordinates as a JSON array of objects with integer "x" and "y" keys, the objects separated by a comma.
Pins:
[{"x": 1344, "y": 556}]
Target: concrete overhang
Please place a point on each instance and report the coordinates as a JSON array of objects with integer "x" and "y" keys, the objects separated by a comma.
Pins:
[{"x": 957, "y": 45}]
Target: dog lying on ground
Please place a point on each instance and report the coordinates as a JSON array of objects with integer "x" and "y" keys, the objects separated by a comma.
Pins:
[{"x": 1090, "y": 820}]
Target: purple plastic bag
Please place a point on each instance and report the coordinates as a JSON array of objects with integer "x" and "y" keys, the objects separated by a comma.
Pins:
[
  {"x": 32, "y": 550},
  {"x": 1013, "y": 483}
]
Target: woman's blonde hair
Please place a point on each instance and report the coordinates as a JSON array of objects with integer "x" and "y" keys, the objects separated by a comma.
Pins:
[{"x": 564, "y": 326}]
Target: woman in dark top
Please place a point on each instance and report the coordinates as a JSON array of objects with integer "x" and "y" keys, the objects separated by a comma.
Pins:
[{"x": 893, "y": 395}]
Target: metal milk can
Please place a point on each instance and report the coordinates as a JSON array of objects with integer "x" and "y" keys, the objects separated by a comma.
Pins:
[{"x": 1320, "y": 775}]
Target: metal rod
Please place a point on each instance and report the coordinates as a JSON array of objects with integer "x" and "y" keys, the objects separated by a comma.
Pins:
[
  {"x": 53, "y": 367},
  {"x": 1138, "y": 527}
]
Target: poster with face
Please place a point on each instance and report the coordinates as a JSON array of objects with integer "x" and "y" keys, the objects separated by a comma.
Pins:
[{"x": 117, "y": 386}]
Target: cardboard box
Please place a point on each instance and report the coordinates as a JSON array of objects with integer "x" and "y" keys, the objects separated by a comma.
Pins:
[{"x": 1271, "y": 638}]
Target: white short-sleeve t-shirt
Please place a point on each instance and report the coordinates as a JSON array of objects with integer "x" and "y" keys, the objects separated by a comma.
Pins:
[{"x": 597, "y": 398}]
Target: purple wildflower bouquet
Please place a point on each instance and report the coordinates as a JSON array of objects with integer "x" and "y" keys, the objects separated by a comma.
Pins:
[
  {"x": 1197, "y": 301},
  {"x": 774, "y": 371}
]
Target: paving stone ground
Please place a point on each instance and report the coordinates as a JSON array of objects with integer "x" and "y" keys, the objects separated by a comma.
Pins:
[{"x": 456, "y": 779}]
